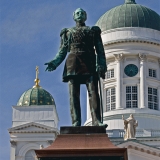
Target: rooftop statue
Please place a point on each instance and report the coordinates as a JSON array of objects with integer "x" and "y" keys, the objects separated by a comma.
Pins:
[
  {"x": 130, "y": 125},
  {"x": 82, "y": 65}
]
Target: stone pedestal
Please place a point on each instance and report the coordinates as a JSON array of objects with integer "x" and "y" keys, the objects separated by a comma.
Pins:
[{"x": 82, "y": 143}]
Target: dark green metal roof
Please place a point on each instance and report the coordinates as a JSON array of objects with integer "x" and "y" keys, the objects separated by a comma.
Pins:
[
  {"x": 129, "y": 14},
  {"x": 36, "y": 96}
]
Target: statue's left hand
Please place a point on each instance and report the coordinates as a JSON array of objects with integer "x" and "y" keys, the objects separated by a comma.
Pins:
[{"x": 50, "y": 66}]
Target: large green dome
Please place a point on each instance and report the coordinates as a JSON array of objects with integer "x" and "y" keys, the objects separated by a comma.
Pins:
[{"x": 129, "y": 14}]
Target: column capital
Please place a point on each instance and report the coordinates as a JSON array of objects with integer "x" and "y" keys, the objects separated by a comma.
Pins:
[
  {"x": 143, "y": 56},
  {"x": 118, "y": 57},
  {"x": 13, "y": 143}
]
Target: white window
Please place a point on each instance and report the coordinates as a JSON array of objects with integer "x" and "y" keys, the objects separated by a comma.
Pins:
[
  {"x": 131, "y": 97},
  {"x": 152, "y": 98},
  {"x": 110, "y": 73},
  {"x": 152, "y": 73},
  {"x": 111, "y": 99}
]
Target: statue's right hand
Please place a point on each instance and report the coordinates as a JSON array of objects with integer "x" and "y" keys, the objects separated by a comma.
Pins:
[{"x": 50, "y": 66}]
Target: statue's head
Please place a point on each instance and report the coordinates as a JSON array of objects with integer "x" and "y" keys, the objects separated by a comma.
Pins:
[
  {"x": 79, "y": 15},
  {"x": 131, "y": 115}
]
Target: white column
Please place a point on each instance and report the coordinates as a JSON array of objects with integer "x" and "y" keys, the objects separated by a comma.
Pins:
[
  {"x": 13, "y": 150},
  {"x": 104, "y": 99},
  {"x": 143, "y": 89},
  {"x": 88, "y": 108},
  {"x": 158, "y": 73},
  {"x": 139, "y": 96},
  {"x": 159, "y": 88},
  {"x": 159, "y": 98},
  {"x": 119, "y": 58}
]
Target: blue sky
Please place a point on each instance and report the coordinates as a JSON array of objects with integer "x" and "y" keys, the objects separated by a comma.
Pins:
[{"x": 29, "y": 37}]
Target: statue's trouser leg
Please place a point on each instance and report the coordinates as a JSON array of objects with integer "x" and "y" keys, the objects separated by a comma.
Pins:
[
  {"x": 74, "y": 91},
  {"x": 92, "y": 86}
]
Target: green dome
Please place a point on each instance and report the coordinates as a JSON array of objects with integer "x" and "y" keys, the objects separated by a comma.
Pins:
[
  {"x": 129, "y": 14},
  {"x": 36, "y": 96}
]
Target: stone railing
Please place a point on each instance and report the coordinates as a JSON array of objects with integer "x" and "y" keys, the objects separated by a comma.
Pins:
[{"x": 118, "y": 133}]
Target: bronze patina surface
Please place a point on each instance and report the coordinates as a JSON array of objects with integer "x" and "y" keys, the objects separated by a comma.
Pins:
[{"x": 83, "y": 65}]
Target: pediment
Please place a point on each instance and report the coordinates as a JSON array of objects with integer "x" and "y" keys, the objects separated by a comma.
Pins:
[
  {"x": 32, "y": 127},
  {"x": 136, "y": 149}
]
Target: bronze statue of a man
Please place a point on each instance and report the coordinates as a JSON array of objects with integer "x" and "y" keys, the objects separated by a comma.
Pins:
[{"x": 82, "y": 65}]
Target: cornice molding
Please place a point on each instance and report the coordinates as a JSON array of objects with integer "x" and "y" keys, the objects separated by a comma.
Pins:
[
  {"x": 31, "y": 124},
  {"x": 24, "y": 131},
  {"x": 44, "y": 128},
  {"x": 138, "y": 139},
  {"x": 149, "y": 79},
  {"x": 131, "y": 41}
]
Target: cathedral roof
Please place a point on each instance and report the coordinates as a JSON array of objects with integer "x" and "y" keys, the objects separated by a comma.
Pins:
[
  {"x": 129, "y": 14},
  {"x": 36, "y": 95}
]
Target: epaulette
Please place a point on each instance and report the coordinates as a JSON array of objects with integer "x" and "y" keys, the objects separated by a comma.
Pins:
[
  {"x": 96, "y": 29},
  {"x": 63, "y": 31}
]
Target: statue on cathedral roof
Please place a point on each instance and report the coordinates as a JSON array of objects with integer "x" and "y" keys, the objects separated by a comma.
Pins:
[{"x": 130, "y": 125}]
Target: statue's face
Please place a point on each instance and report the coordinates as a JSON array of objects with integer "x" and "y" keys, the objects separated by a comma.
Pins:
[{"x": 80, "y": 15}]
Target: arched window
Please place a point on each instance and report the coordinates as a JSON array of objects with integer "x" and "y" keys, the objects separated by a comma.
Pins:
[{"x": 30, "y": 155}]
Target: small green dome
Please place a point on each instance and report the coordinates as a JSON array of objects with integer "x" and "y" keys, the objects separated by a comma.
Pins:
[
  {"x": 129, "y": 14},
  {"x": 36, "y": 96}
]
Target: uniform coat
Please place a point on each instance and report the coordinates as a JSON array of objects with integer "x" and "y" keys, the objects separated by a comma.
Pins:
[{"x": 82, "y": 61}]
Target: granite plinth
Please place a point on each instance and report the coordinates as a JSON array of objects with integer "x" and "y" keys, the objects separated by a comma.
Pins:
[
  {"x": 83, "y": 130},
  {"x": 82, "y": 143}
]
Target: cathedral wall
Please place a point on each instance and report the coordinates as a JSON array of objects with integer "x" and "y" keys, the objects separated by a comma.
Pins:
[
  {"x": 130, "y": 33},
  {"x": 46, "y": 115}
]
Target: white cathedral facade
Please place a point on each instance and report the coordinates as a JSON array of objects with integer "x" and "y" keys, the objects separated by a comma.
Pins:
[
  {"x": 131, "y": 38},
  {"x": 34, "y": 123}
]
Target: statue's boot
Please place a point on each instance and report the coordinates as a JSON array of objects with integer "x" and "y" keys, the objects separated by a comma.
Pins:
[
  {"x": 101, "y": 124},
  {"x": 74, "y": 90}
]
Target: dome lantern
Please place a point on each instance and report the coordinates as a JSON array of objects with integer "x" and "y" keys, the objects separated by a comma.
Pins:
[{"x": 130, "y": 2}]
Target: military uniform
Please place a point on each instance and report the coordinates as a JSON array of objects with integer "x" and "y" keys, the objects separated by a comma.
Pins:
[{"x": 81, "y": 67}]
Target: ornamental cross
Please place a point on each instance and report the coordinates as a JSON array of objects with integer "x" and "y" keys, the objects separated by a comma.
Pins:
[{"x": 37, "y": 72}]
